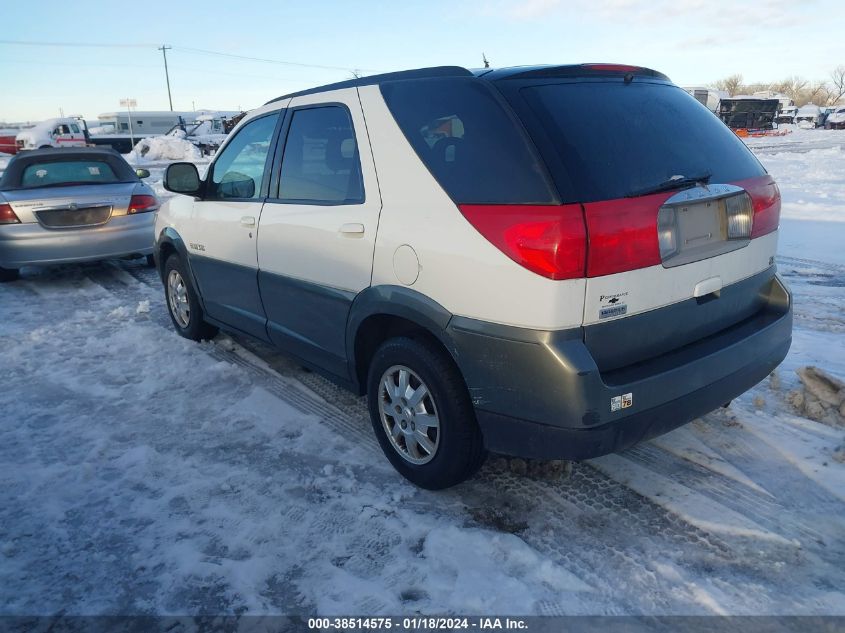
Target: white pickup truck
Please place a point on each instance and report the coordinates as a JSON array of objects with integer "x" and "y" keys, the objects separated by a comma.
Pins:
[
  {"x": 63, "y": 132},
  {"x": 71, "y": 132}
]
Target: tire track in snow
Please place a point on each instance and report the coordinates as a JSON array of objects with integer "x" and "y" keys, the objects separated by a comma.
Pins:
[
  {"x": 797, "y": 262},
  {"x": 764, "y": 510}
]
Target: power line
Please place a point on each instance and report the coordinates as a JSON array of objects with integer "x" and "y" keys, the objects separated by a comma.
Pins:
[
  {"x": 271, "y": 61},
  {"x": 73, "y": 44},
  {"x": 188, "y": 49}
]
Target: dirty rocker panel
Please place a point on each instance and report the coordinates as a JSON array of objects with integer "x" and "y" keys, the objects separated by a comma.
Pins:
[
  {"x": 307, "y": 319},
  {"x": 230, "y": 294}
]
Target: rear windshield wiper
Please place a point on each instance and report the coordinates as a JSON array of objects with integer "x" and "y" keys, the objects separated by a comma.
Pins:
[{"x": 675, "y": 182}]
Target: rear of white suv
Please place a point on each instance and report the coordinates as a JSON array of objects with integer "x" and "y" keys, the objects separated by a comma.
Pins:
[{"x": 568, "y": 260}]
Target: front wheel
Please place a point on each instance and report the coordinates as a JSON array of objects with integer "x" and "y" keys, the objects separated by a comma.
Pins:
[
  {"x": 182, "y": 302},
  {"x": 422, "y": 415}
]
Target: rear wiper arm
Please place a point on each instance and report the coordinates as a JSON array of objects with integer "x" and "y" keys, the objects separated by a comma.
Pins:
[{"x": 675, "y": 182}]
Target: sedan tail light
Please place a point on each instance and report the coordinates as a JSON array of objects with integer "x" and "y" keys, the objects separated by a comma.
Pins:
[
  {"x": 548, "y": 240},
  {"x": 7, "y": 215},
  {"x": 142, "y": 203}
]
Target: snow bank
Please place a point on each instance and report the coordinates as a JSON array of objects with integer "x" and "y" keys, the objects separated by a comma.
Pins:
[
  {"x": 821, "y": 396},
  {"x": 158, "y": 148}
]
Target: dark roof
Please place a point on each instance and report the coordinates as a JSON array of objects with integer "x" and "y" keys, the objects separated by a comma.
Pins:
[
  {"x": 492, "y": 74},
  {"x": 419, "y": 73},
  {"x": 11, "y": 177},
  {"x": 572, "y": 70}
]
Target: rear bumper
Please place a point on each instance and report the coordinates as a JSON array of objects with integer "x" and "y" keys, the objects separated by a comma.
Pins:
[
  {"x": 31, "y": 244},
  {"x": 542, "y": 395}
]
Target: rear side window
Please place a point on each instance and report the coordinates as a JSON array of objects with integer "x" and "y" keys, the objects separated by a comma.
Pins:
[
  {"x": 472, "y": 145},
  {"x": 606, "y": 140},
  {"x": 320, "y": 163},
  {"x": 75, "y": 172}
]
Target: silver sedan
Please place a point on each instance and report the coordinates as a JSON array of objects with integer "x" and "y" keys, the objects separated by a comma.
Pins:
[{"x": 69, "y": 205}]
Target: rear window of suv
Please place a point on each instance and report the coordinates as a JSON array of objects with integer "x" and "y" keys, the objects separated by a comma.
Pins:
[
  {"x": 471, "y": 144},
  {"x": 605, "y": 140}
]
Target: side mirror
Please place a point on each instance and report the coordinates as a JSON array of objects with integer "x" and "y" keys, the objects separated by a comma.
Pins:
[
  {"x": 182, "y": 178},
  {"x": 142, "y": 173}
]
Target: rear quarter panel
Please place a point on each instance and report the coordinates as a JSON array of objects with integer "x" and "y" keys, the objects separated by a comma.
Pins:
[{"x": 457, "y": 267}]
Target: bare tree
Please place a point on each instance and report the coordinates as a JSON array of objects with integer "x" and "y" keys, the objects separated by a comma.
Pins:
[
  {"x": 837, "y": 77},
  {"x": 793, "y": 87},
  {"x": 732, "y": 85},
  {"x": 816, "y": 93}
]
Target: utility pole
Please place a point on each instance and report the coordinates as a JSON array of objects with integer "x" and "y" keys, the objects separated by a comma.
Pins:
[{"x": 164, "y": 50}]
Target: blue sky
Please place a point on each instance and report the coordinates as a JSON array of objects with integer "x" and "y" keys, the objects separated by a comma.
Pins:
[{"x": 693, "y": 41}]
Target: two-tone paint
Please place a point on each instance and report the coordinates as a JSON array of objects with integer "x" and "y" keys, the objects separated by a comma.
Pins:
[{"x": 327, "y": 282}]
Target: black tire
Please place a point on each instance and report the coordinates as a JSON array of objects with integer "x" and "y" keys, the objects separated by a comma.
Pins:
[
  {"x": 9, "y": 274},
  {"x": 460, "y": 450},
  {"x": 196, "y": 328},
  {"x": 151, "y": 261}
]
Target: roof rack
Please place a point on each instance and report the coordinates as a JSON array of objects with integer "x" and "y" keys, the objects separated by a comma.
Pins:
[{"x": 419, "y": 73}]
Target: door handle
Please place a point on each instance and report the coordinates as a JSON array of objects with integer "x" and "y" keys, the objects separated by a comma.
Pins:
[
  {"x": 247, "y": 220},
  {"x": 352, "y": 228}
]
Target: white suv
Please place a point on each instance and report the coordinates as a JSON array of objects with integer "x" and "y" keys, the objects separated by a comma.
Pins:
[{"x": 550, "y": 262}]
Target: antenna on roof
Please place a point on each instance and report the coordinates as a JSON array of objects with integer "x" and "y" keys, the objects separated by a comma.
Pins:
[{"x": 484, "y": 58}]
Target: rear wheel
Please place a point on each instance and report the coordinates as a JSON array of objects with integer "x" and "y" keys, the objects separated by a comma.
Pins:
[
  {"x": 9, "y": 274},
  {"x": 422, "y": 415},
  {"x": 182, "y": 302}
]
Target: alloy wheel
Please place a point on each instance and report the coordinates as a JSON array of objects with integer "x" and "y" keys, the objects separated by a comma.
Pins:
[{"x": 409, "y": 415}]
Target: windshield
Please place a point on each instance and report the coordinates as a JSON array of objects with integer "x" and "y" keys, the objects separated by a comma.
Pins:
[
  {"x": 59, "y": 173},
  {"x": 605, "y": 139}
]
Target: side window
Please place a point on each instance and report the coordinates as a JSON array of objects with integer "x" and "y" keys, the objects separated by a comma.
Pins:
[
  {"x": 239, "y": 169},
  {"x": 75, "y": 128},
  {"x": 320, "y": 163}
]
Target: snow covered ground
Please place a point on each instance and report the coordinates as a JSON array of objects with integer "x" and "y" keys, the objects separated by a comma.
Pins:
[{"x": 141, "y": 473}]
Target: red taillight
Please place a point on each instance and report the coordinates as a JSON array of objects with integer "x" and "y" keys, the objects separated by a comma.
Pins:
[
  {"x": 623, "y": 234},
  {"x": 142, "y": 204},
  {"x": 765, "y": 199},
  {"x": 548, "y": 240},
  {"x": 7, "y": 215}
]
